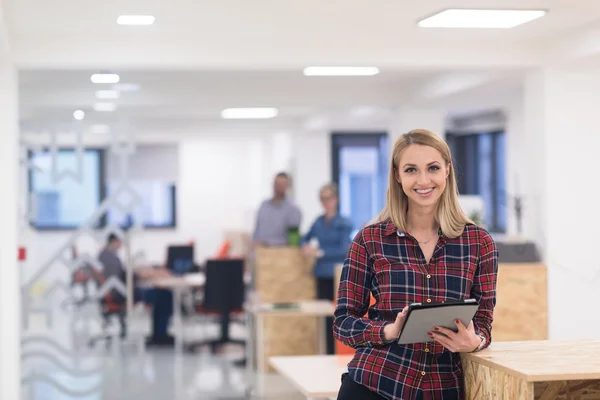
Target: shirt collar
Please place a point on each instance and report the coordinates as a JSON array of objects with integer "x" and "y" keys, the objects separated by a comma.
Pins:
[{"x": 390, "y": 229}]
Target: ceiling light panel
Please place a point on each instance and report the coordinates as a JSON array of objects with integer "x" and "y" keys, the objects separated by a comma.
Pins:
[
  {"x": 105, "y": 107},
  {"x": 108, "y": 94},
  {"x": 249, "y": 113},
  {"x": 105, "y": 78},
  {"x": 480, "y": 18},
  {"x": 340, "y": 71}
]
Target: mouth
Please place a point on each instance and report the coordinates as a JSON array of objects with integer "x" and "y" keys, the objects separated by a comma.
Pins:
[{"x": 424, "y": 192}]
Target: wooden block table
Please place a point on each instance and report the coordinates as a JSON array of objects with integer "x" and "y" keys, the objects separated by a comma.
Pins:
[
  {"x": 540, "y": 370},
  {"x": 316, "y": 377},
  {"x": 299, "y": 331}
]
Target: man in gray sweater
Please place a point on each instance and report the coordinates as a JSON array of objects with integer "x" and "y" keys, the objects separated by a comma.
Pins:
[{"x": 276, "y": 215}]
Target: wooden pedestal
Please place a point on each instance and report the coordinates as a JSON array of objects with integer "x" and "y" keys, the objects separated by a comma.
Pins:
[
  {"x": 534, "y": 370},
  {"x": 521, "y": 311}
]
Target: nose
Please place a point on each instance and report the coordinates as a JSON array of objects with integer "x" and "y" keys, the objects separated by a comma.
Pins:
[{"x": 423, "y": 179}]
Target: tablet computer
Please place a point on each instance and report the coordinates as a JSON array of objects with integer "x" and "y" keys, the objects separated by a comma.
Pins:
[{"x": 421, "y": 318}]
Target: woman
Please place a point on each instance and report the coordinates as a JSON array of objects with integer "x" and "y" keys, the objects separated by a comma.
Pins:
[
  {"x": 421, "y": 249},
  {"x": 332, "y": 232}
]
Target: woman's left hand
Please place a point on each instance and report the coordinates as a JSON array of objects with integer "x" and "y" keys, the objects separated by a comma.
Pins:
[{"x": 463, "y": 341}]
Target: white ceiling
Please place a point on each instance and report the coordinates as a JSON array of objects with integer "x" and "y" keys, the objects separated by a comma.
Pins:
[{"x": 205, "y": 55}]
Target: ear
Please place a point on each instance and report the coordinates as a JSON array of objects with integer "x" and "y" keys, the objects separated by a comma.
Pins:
[{"x": 448, "y": 170}]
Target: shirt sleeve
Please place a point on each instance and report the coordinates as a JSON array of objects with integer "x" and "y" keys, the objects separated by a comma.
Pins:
[
  {"x": 484, "y": 287},
  {"x": 350, "y": 326}
]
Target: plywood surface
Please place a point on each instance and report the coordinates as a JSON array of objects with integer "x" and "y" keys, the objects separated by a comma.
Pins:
[
  {"x": 538, "y": 361},
  {"x": 483, "y": 382},
  {"x": 521, "y": 311},
  {"x": 289, "y": 336},
  {"x": 283, "y": 274},
  {"x": 568, "y": 390},
  {"x": 310, "y": 308},
  {"x": 314, "y": 376}
]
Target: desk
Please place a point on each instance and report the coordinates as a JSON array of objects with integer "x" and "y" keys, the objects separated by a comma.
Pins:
[
  {"x": 316, "y": 377},
  {"x": 177, "y": 284},
  {"x": 291, "y": 336},
  {"x": 281, "y": 332},
  {"x": 529, "y": 370}
]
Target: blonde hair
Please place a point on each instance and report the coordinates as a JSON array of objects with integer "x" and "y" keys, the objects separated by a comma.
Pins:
[
  {"x": 330, "y": 187},
  {"x": 449, "y": 214}
]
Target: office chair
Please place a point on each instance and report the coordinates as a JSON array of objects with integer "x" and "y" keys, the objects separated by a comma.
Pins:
[
  {"x": 224, "y": 294},
  {"x": 112, "y": 304}
]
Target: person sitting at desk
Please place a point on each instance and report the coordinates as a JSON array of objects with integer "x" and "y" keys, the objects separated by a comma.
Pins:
[
  {"x": 332, "y": 231},
  {"x": 276, "y": 216},
  {"x": 160, "y": 300}
]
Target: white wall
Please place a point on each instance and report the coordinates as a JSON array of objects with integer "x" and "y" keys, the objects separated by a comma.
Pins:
[
  {"x": 222, "y": 178},
  {"x": 566, "y": 109}
]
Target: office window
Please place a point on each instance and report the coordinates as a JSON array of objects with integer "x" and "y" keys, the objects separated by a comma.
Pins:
[
  {"x": 479, "y": 162},
  {"x": 157, "y": 207},
  {"x": 68, "y": 203},
  {"x": 152, "y": 172},
  {"x": 359, "y": 167}
]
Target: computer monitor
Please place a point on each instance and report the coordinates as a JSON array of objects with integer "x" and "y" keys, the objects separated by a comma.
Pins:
[{"x": 180, "y": 259}]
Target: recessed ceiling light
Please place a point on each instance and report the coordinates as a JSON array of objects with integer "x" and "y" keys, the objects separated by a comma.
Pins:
[
  {"x": 249, "y": 113},
  {"x": 108, "y": 94},
  {"x": 105, "y": 78},
  {"x": 100, "y": 129},
  {"x": 107, "y": 107},
  {"x": 126, "y": 87},
  {"x": 478, "y": 18},
  {"x": 135, "y": 20},
  {"x": 79, "y": 115},
  {"x": 341, "y": 71}
]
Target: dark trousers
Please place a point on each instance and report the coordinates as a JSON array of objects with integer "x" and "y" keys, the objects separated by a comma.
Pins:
[
  {"x": 351, "y": 390},
  {"x": 325, "y": 292},
  {"x": 162, "y": 308}
]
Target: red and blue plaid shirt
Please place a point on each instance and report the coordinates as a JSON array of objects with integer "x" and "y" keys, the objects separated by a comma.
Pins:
[{"x": 390, "y": 265}]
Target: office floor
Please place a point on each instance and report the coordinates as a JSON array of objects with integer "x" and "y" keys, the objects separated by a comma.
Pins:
[{"x": 57, "y": 365}]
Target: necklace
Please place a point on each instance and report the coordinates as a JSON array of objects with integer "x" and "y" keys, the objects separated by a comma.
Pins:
[{"x": 426, "y": 241}]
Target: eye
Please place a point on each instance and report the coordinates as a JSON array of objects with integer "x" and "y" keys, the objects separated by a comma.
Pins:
[
  {"x": 434, "y": 168},
  {"x": 409, "y": 170}
]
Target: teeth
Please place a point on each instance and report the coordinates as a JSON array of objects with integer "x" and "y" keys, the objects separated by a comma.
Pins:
[{"x": 424, "y": 191}]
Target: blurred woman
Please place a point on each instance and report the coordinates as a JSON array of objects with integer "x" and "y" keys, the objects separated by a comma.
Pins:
[{"x": 332, "y": 233}]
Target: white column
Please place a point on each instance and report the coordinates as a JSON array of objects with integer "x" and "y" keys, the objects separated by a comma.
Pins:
[
  {"x": 312, "y": 160},
  {"x": 409, "y": 118},
  {"x": 516, "y": 154},
  {"x": 10, "y": 299},
  {"x": 560, "y": 172}
]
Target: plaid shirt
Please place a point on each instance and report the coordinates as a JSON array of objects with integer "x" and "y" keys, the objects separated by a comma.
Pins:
[{"x": 390, "y": 265}]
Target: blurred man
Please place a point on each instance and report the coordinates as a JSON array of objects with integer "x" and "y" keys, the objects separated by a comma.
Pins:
[
  {"x": 276, "y": 215},
  {"x": 160, "y": 300}
]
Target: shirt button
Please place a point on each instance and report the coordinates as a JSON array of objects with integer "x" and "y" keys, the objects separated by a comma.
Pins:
[
  {"x": 426, "y": 350},
  {"x": 428, "y": 276},
  {"x": 429, "y": 300},
  {"x": 423, "y": 373}
]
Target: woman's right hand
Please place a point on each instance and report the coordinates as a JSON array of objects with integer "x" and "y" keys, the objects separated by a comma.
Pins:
[
  {"x": 308, "y": 251},
  {"x": 392, "y": 331}
]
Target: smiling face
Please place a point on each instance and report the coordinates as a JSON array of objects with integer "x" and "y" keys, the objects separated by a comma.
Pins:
[{"x": 423, "y": 173}]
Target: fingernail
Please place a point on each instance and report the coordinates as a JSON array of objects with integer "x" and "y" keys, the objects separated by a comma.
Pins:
[
  {"x": 456, "y": 321},
  {"x": 437, "y": 329}
]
